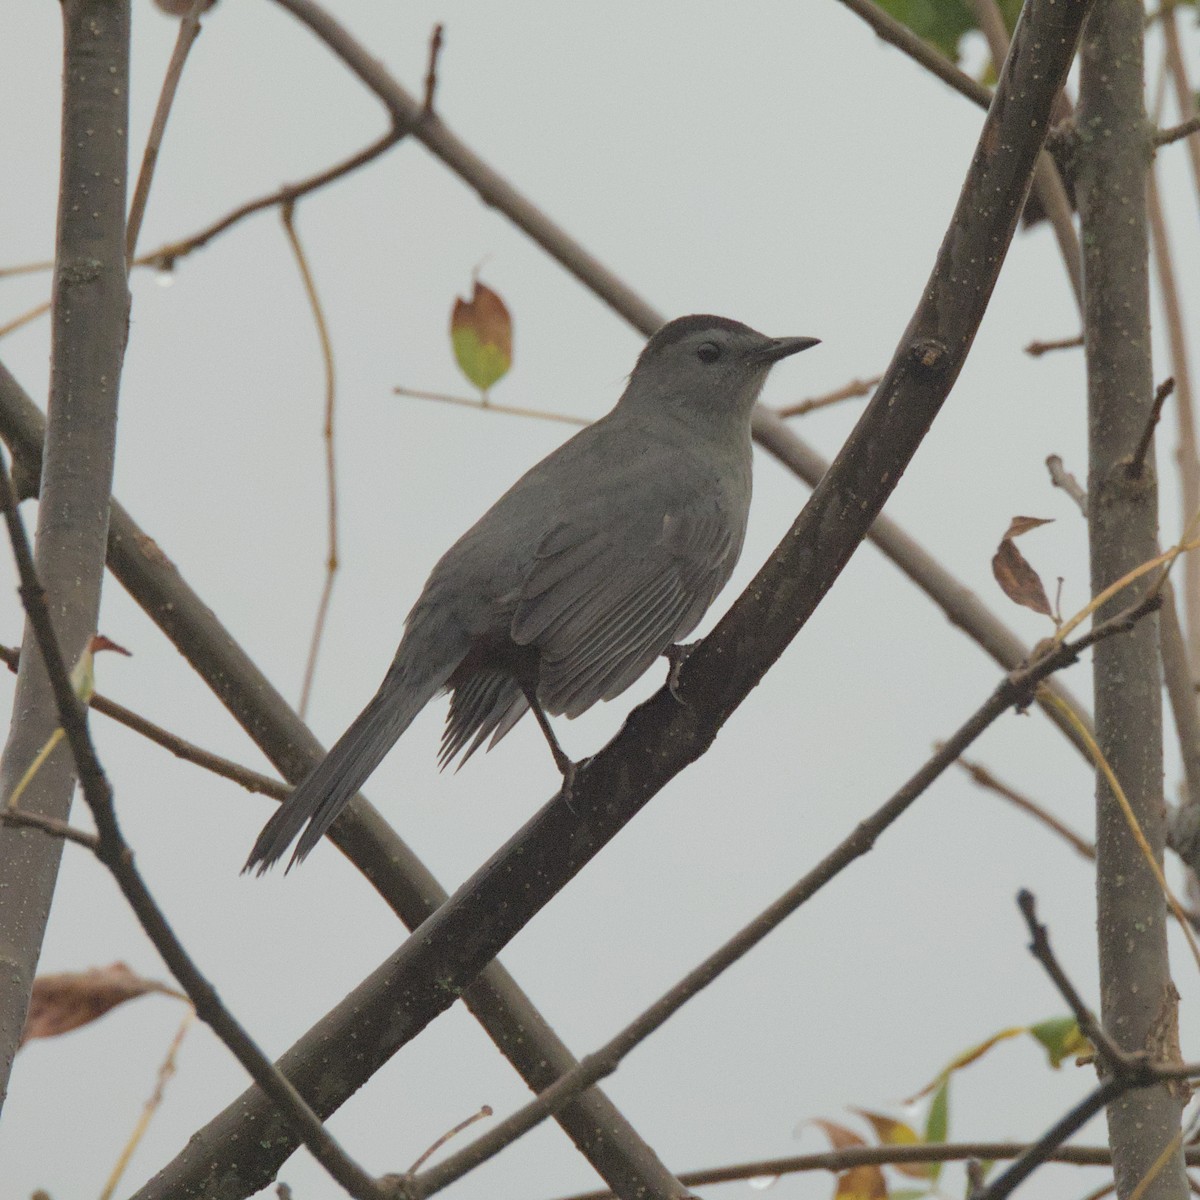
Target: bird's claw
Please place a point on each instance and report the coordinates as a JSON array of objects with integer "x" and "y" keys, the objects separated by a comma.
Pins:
[{"x": 677, "y": 655}]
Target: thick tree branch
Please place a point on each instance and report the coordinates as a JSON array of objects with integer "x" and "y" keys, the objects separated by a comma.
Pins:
[
  {"x": 114, "y": 852},
  {"x": 1018, "y": 689},
  {"x": 1138, "y": 1000},
  {"x": 90, "y": 310},
  {"x": 661, "y": 737},
  {"x": 602, "y": 1134}
]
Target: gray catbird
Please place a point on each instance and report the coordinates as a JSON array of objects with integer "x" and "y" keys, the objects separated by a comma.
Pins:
[{"x": 585, "y": 571}]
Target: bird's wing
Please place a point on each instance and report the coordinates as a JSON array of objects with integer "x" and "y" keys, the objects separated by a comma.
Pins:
[{"x": 600, "y": 604}]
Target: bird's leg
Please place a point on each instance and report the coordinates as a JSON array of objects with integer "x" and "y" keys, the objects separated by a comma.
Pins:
[
  {"x": 561, "y": 759},
  {"x": 677, "y": 655}
]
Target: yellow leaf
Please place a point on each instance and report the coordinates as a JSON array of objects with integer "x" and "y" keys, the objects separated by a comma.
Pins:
[{"x": 965, "y": 1059}]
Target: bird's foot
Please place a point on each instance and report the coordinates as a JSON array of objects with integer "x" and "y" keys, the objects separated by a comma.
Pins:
[
  {"x": 568, "y": 769},
  {"x": 677, "y": 655}
]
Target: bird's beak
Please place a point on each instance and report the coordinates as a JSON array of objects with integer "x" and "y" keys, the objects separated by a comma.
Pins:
[{"x": 783, "y": 347}]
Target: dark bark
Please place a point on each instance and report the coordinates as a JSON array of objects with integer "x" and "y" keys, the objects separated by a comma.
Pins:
[
  {"x": 90, "y": 314},
  {"x": 1138, "y": 1000},
  {"x": 602, "y": 1134},
  {"x": 660, "y": 738}
]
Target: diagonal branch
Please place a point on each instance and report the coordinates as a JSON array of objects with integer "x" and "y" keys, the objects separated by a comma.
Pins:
[
  {"x": 522, "y": 1034},
  {"x": 114, "y": 852},
  {"x": 663, "y": 736},
  {"x": 1018, "y": 689}
]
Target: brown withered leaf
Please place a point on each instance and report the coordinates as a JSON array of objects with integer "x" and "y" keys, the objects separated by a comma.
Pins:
[
  {"x": 861, "y": 1183},
  {"x": 1019, "y": 581},
  {"x": 67, "y": 1000},
  {"x": 840, "y": 1138},
  {"x": 1020, "y": 525},
  {"x": 891, "y": 1132}
]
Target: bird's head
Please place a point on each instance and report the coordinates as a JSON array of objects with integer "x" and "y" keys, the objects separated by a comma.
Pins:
[{"x": 707, "y": 365}]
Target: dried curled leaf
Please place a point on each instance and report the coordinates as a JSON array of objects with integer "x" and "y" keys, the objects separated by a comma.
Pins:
[
  {"x": 1020, "y": 525},
  {"x": 67, "y": 1000},
  {"x": 481, "y": 333},
  {"x": 840, "y": 1138},
  {"x": 1018, "y": 580}
]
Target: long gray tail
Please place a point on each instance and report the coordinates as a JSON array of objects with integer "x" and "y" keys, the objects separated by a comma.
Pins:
[{"x": 318, "y": 800}]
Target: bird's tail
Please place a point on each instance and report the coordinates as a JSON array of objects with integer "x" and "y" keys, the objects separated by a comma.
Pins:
[{"x": 408, "y": 686}]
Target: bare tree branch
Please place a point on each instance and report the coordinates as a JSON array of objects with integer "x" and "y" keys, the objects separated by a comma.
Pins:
[
  {"x": 189, "y": 31},
  {"x": 882, "y": 1156},
  {"x": 1062, "y": 478},
  {"x": 287, "y": 212},
  {"x": 1018, "y": 689},
  {"x": 663, "y": 736},
  {"x": 1164, "y": 137},
  {"x": 1037, "y": 349},
  {"x": 986, "y": 780},
  {"x": 602, "y": 1134},
  {"x": 114, "y": 852},
  {"x": 91, "y": 305},
  {"x": 1047, "y": 184},
  {"x": 1138, "y": 998}
]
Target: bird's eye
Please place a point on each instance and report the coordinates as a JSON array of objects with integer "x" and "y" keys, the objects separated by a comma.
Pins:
[{"x": 708, "y": 352}]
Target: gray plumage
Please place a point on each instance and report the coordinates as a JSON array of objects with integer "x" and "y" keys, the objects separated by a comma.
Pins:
[{"x": 582, "y": 574}]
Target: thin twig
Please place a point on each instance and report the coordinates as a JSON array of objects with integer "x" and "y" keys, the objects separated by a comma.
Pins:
[
  {"x": 1037, "y": 349},
  {"x": 189, "y": 30},
  {"x": 1186, "y": 455},
  {"x": 1041, "y": 1150},
  {"x": 288, "y": 213},
  {"x": 30, "y": 268},
  {"x": 49, "y": 825},
  {"x": 1112, "y": 1056},
  {"x": 1164, "y": 137},
  {"x": 884, "y": 1156},
  {"x": 165, "y": 1072},
  {"x": 850, "y": 391},
  {"x": 985, "y": 779},
  {"x": 484, "y": 1112},
  {"x": 167, "y": 255},
  {"x": 1138, "y": 462},
  {"x": 1139, "y": 837},
  {"x": 252, "y": 781},
  {"x": 491, "y": 406},
  {"x": 1017, "y": 689},
  {"x": 1185, "y": 96},
  {"x": 932, "y": 59},
  {"x": 435, "y": 50},
  {"x": 1128, "y": 1071},
  {"x": 1062, "y": 478},
  {"x": 114, "y": 852},
  {"x": 30, "y": 314}
]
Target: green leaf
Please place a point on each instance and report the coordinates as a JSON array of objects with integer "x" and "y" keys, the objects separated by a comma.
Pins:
[
  {"x": 944, "y": 23},
  {"x": 1061, "y": 1037},
  {"x": 937, "y": 1123}
]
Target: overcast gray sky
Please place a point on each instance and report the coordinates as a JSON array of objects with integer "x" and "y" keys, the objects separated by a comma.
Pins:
[{"x": 767, "y": 161}]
